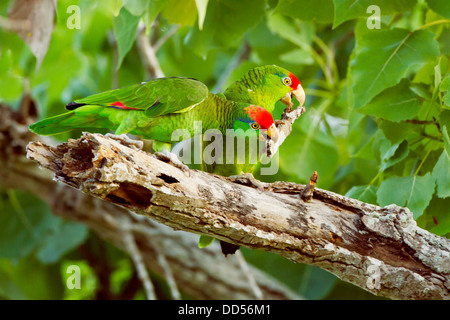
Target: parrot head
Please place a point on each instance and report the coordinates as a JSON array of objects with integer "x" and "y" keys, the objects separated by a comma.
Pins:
[
  {"x": 266, "y": 85},
  {"x": 256, "y": 121}
]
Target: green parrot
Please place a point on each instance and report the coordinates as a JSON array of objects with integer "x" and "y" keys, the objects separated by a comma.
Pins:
[
  {"x": 265, "y": 86},
  {"x": 155, "y": 109}
]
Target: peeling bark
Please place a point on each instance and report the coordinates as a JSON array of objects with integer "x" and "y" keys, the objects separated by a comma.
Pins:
[{"x": 381, "y": 250}]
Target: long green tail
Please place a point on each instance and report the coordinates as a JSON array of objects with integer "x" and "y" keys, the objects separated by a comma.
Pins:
[{"x": 81, "y": 118}]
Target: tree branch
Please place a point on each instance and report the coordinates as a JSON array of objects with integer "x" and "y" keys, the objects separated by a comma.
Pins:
[
  {"x": 379, "y": 249},
  {"x": 148, "y": 53},
  {"x": 202, "y": 274}
]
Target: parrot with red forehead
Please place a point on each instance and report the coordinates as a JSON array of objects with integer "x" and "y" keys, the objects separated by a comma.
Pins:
[
  {"x": 266, "y": 85},
  {"x": 155, "y": 109}
]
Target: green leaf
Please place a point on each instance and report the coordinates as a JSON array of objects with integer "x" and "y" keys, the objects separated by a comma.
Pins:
[
  {"x": 32, "y": 279},
  {"x": 298, "y": 32},
  {"x": 396, "y": 104},
  {"x": 155, "y": 7},
  {"x": 367, "y": 193},
  {"x": 440, "y": 217},
  {"x": 316, "y": 283},
  {"x": 352, "y": 9},
  {"x": 446, "y": 136},
  {"x": 415, "y": 192},
  {"x": 205, "y": 241},
  {"x": 297, "y": 57},
  {"x": 366, "y": 151},
  {"x": 136, "y": 7},
  {"x": 11, "y": 83},
  {"x": 396, "y": 153},
  {"x": 225, "y": 23},
  {"x": 125, "y": 29},
  {"x": 319, "y": 10},
  {"x": 180, "y": 12},
  {"x": 445, "y": 87},
  {"x": 444, "y": 121},
  {"x": 384, "y": 57},
  {"x": 441, "y": 173},
  {"x": 27, "y": 225},
  {"x": 8, "y": 289},
  {"x": 66, "y": 237},
  {"x": 397, "y": 132},
  {"x": 441, "y": 7},
  {"x": 24, "y": 222}
]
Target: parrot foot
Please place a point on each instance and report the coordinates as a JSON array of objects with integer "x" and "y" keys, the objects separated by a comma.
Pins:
[
  {"x": 171, "y": 158},
  {"x": 249, "y": 180},
  {"x": 126, "y": 141}
]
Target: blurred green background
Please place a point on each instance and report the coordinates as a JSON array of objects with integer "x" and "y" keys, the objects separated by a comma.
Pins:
[{"x": 376, "y": 127}]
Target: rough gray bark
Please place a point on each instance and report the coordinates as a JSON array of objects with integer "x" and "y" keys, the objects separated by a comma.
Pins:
[
  {"x": 379, "y": 249},
  {"x": 201, "y": 273}
]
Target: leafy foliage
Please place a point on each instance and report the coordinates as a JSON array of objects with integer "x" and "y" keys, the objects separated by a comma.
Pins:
[{"x": 377, "y": 126}]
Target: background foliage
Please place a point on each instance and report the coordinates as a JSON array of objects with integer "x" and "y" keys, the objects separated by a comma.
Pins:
[{"x": 376, "y": 127}]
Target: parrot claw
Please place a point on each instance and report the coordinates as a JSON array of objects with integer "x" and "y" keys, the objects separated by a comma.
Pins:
[
  {"x": 249, "y": 180},
  {"x": 171, "y": 158},
  {"x": 126, "y": 141}
]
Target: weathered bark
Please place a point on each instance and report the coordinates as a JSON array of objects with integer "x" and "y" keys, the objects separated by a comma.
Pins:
[
  {"x": 379, "y": 249},
  {"x": 201, "y": 273}
]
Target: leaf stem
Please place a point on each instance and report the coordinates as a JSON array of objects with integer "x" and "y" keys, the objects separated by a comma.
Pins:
[
  {"x": 321, "y": 62},
  {"x": 424, "y": 158},
  {"x": 433, "y": 24},
  {"x": 319, "y": 93},
  {"x": 330, "y": 58}
]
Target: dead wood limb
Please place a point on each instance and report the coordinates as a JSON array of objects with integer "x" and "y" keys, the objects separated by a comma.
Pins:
[{"x": 379, "y": 249}]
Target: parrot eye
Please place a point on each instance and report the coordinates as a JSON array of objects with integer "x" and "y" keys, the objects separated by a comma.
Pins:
[
  {"x": 255, "y": 126},
  {"x": 287, "y": 81}
]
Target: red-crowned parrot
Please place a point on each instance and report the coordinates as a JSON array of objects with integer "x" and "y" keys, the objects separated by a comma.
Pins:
[{"x": 155, "y": 109}]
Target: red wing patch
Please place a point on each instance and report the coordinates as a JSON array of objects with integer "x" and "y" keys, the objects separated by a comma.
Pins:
[{"x": 120, "y": 105}]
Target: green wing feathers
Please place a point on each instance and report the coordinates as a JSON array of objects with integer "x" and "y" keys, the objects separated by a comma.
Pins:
[
  {"x": 84, "y": 117},
  {"x": 156, "y": 97},
  {"x": 122, "y": 110}
]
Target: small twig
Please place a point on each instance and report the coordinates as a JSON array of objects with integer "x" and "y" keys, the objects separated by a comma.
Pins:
[
  {"x": 248, "y": 273},
  {"x": 284, "y": 127},
  {"x": 168, "y": 274},
  {"x": 133, "y": 251},
  {"x": 308, "y": 192},
  {"x": 15, "y": 24},
  {"x": 139, "y": 264},
  {"x": 166, "y": 36},
  {"x": 148, "y": 53}
]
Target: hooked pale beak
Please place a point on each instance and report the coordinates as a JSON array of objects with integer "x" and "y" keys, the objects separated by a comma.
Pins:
[
  {"x": 298, "y": 93},
  {"x": 272, "y": 133}
]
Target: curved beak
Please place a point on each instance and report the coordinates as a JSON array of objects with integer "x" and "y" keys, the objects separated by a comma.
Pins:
[
  {"x": 300, "y": 95},
  {"x": 272, "y": 133}
]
